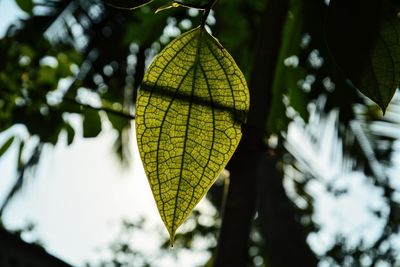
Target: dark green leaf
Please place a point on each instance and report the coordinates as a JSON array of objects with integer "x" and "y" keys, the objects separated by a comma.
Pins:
[
  {"x": 25, "y": 5},
  {"x": 363, "y": 37},
  {"x": 91, "y": 123},
  {"x": 6, "y": 145},
  {"x": 118, "y": 122},
  {"x": 20, "y": 162},
  {"x": 70, "y": 133},
  {"x": 298, "y": 100}
]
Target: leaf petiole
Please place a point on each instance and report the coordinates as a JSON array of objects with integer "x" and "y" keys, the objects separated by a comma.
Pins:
[
  {"x": 180, "y": 4},
  {"x": 207, "y": 10}
]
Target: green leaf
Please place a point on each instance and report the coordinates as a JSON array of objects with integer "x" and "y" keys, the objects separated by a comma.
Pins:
[
  {"x": 168, "y": 6},
  {"x": 20, "y": 162},
  {"x": 70, "y": 133},
  {"x": 6, "y": 145},
  {"x": 91, "y": 123},
  {"x": 127, "y": 4},
  {"x": 190, "y": 108},
  {"x": 25, "y": 5},
  {"x": 363, "y": 37},
  {"x": 119, "y": 123}
]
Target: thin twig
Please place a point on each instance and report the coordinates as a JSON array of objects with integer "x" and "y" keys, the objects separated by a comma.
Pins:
[
  {"x": 105, "y": 109},
  {"x": 207, "y": 11}
]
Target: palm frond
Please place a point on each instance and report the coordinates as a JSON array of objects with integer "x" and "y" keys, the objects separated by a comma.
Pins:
[{"x": 325, "y": 149}]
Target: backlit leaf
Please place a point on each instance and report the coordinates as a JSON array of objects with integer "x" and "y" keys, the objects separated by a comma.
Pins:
[
  {"x": 190, "y": 108},
  {"x": 363, "y": 37},
  {"x": 127, "y": 4}
]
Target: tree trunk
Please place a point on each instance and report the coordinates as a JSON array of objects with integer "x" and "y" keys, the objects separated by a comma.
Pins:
[
  {"x": 249, "y": 161},
  {"x": 284, "y": 237},
  {"x": 240, "y": 204}
]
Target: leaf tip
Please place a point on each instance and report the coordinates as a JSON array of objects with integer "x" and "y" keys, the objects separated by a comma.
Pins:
[
  {"x": 382, "y": 106},
  {"x": 171, "y": 240},
  {"x": 383, "y": 111}
]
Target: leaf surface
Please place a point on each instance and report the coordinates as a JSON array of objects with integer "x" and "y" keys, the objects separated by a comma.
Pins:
[
  {"x": 364, "y": 38},
  {"x": 190, "y": 108},
  {"x": 126, "y": 4}
]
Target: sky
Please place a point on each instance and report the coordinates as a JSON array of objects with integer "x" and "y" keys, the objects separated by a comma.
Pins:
[
  {"x": 79, "y": 195},
  {"x": 9, "y": 11}
]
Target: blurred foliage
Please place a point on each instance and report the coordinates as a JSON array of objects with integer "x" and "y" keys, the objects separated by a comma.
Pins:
[
  {"x": 199, "y": 234},
  {"x": 29, "y": 73},
  {"x": 58, "y": 62},
  {"x": 81, "y": 57}
]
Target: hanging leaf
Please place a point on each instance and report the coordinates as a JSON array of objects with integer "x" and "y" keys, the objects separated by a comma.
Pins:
[
  {"x": 363, "y": 37},
  {"x": 190, "y": 108},
  {"x": 126, "y": 4}
]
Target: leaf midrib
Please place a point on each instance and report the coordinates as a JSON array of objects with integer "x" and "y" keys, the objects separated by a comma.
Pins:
[
  {"x": 194, "y": 67},
  {"x": 213, "y": 131},
  {"x": 165, "y": 115},
  {"x": 213, "y": 122}
]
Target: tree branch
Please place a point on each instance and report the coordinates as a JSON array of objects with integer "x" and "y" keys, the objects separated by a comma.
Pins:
[{"x": 105, "y": 109}]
